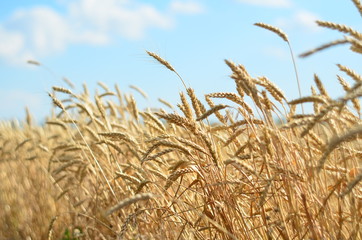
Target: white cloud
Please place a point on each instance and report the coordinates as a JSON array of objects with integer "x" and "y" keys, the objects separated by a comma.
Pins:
[
  {"x": 307, "y": 20},
  {"x": 41, "y": 27},
  {"x": 302, "y": 19},
  {"x": 268, "y": 3},
  {"x": 187, "y": 7},
  {"x": 41, "y": 31},
  {"x": 116, "y": 16}
]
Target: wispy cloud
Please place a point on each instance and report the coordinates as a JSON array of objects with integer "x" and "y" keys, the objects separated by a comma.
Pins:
[
  {"x": 42, "y": 31},
  {"x": 302, "y": 19},
  {"x": 268, "y": 3},
  {"x": 186, "y": 7}
]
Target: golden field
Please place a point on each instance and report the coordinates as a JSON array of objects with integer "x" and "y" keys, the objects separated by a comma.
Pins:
[{"x": 233, "y": 165}]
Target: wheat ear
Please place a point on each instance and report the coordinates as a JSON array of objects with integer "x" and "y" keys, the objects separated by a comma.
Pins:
[
  {"x": 358, "y": 5},
  {"x": 166, "y": 64},
  {"x": 340, "y": 27},
  {"x": 324, "y": 46},
  {"x": 273, "y": 29},
  {"x": 284, "y": 36},
  {"x": 350, "y": 72}
]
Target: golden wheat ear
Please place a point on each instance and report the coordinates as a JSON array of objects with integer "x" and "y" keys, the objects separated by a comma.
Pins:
[
  {"x": 273, "y": 29},
  {"x": 341, "y": 28},
  {"x": 284, "y": 36},
  {"x": 166, "y": 64},
  {"x": 358, "y": 5}
]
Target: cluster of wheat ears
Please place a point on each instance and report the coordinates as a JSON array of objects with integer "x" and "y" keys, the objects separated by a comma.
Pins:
[{"x": 103, "y": 169}]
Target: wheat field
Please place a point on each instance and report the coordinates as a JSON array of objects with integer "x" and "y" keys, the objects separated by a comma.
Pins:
[{"x": 230, "y": 165}]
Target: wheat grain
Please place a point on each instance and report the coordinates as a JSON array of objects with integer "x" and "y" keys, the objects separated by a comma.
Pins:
[
  {"x": 276, "y": 30},
  {"x": 350, "y": 72},
  {"x": 340, "y": 27}
]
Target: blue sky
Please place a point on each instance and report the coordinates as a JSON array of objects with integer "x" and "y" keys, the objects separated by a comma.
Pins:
[{"x": 89, "y": 41}]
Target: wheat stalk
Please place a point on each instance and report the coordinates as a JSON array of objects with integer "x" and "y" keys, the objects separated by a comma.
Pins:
[{"x": 281, "y": 34}]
